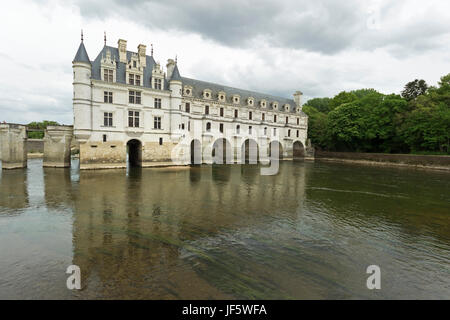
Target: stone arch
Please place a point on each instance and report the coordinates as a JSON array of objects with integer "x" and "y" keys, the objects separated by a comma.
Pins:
[
  {"x": 250, "y": 151},
  {"x": 222, "y": 152},
  {"x": 134, "y": 153},
  {"x": 298, "y": 150},
  {"x": 272, "y": 147},
  {"x": 196, "y": 152}
]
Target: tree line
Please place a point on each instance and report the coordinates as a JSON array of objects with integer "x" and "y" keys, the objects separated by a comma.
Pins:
[
  {"x": 364, "y": 120},
  {"x": 40, "y": 126}
]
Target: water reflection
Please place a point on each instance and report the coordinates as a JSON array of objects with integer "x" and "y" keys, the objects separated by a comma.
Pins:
[
  {"x": 13, "y": 190},
  {"x": 228, "y": 232}
]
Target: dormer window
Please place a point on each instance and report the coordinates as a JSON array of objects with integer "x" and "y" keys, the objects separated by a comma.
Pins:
[
  {"x": 108, "y": 75},
  {"x": 236, "y": 99},
  {"x": 263, "y": 103},
  {"x": 108, "y": 67},
  {"x": 250, "y": 101},
  {"x": 157, "y": 77},
  {"x": 188, "y": 91},
  {"x": 287, "y": 107},
  {"x": 298, "y": 110},
  {"x": 157, "y": 84},
  {"x": 221, "y": 96},
  {"x": 275, "y": 105},
  {"x": 134, "y": 79},
  {"x": 207, "y": 94}
]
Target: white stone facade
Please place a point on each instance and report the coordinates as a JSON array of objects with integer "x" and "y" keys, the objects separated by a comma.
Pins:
[{"x": 172, "y": 112}]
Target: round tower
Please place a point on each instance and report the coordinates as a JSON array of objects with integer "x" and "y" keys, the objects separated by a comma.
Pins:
[
  {"x": 82, "y": 96},
  {"x": 175, "y": 86}
]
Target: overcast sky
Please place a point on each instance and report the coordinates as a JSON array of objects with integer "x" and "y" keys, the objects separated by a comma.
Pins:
[{"x": 320, "y": 47}]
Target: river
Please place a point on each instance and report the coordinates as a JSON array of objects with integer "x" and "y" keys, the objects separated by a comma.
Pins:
[{"x": 225, "y": 232}]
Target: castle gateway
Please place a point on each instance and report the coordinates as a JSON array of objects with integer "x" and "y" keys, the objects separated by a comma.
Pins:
[{"x": 127, "y": 110}]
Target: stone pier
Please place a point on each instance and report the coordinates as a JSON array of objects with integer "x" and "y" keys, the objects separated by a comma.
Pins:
[
  {"x": 13, "y": 139},
  {"x": 57, "y": 142}
]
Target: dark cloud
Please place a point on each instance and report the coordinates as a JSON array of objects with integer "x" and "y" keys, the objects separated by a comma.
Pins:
[{"x": 324, "y": 26}]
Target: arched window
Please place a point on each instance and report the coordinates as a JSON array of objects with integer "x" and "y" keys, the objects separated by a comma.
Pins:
[{"x": 208, "y": 126}]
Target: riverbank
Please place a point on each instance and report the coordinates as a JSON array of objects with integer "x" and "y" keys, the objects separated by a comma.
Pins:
[{"x": 432, "y": 162}]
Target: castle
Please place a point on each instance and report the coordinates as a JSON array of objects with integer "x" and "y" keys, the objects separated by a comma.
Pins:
[{"x": 127, "y": 109}]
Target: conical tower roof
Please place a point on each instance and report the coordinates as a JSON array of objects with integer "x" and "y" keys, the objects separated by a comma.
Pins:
[
  {"x": 175, "y": 74},
  {"x": 82, "y": 55}
]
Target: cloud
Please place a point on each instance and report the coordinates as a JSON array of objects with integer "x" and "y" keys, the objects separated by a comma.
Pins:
[
  {"x": 277, "y": 47},
  {"x": 323, "y": 26}
]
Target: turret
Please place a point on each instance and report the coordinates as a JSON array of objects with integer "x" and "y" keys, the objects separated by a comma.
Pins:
[
  {"x": 298, "y": 100},
  {"x": 175, "y": 86},
  {"x": 82, "y": 70}
]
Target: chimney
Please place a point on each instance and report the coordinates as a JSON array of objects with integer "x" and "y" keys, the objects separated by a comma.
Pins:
[
  {"x": 122, "y": 46},
  {"x": 170, "y": 66},
  {"x": 141, "y": 53},
  {"x": 298, "y": 98}
]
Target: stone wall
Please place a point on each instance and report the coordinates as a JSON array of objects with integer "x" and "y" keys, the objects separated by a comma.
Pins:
[
  {"x": 431, "y": 161},
  {"x": 35, "y": 145}
]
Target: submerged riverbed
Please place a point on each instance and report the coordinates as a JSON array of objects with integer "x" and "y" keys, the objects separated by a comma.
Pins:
[{"x": 225, "y": 232}]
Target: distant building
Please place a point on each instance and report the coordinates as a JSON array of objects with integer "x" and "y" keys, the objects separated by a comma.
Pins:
[{"x": 126, "y": 107}]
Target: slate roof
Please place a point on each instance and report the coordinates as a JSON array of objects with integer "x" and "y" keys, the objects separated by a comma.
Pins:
[
  {"x": 197, "y": 85},
  {"x": 176, "y": 74},
  {"x": 81, "y": 55},
  {"x": 121, "y": 67}
]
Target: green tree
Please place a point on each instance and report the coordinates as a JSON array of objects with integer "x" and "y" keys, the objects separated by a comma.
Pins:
[
  {"x": 40, "y": 126},
  {"x": 414, "y": 89},
  {"x": 320, "y": 104},
  {"x": 341, "y": 98}
]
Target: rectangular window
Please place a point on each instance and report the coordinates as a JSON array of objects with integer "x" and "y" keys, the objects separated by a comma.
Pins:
[
  {"x": 188, "y": 107},
  {"x": 274, "y": 131},
  {"x": 189, "y": 126},
  {"x": 157, "y": 103},
  {"x": 250, "y": 115},
  {"x": 263, "y": 117},
  {"x": 107, "y": 119},
  {"x": 131, "y": 78},
  {"x": 297, "y": 133},
  {"x": 138, "y": 80},
  {"x": 134, "y": 97},
  {"x": 298, "y": 121},
  {"x": 160, "y": 141},
  {"x": 287, "y": 120},
  {"x": 157, "y": 123},
  {"x": 158, "y": 84},
  {"x": 206, "y": 109},
  {"x": 221, "y": 127},
  {"x": 249, "y": 129},
  {"x": 104, "y": 138},
  {"x": 275, "y": 118},
  {"x": 133, "y": 119},
  {"x": 235, "y": 113},
  {"x": 289, "y": 132},
  {"x": 221, "y": 112},
  {"x": 108, "y": 75},
  {"x": 107, "y": 97}
]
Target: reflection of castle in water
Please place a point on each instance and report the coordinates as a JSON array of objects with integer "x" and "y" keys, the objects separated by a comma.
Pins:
[
  {"x": 13, "y": 190},
  {"x": 129, "y": 230}
]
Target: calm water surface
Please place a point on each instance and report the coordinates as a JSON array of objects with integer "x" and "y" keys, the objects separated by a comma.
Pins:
[{"x": 212, "y": 232}]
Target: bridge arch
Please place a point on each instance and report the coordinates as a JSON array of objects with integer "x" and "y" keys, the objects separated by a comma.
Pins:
[
  {"x": 222, "y": 152},
  {"x": 298, "y": 150},
  {"x": 250, "y": 151}
]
